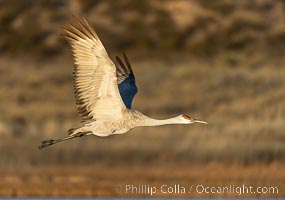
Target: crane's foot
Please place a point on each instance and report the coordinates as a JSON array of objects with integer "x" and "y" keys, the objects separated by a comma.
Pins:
[{"x": 47, "y": 143}]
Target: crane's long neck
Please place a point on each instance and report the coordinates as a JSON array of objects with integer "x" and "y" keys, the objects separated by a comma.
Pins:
[{"x": 156, "y": 122}]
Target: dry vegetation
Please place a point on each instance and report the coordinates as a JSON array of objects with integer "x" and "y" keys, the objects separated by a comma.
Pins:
[
  {"x": 100, "y": 180},
  {"x": 197, "y": 26},
  {"x": 222, "y": 62}
]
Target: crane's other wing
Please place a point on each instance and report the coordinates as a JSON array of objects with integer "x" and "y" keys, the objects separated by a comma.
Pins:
[
  {"x": 95, "y": 82},
  {"x": 126, "y": 81}
]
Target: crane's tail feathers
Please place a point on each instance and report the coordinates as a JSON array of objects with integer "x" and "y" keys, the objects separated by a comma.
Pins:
[{"x": 47, "y": 143}]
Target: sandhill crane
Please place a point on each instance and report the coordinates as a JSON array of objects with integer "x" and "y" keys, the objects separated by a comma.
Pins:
[{"x": 104, "y": 91}]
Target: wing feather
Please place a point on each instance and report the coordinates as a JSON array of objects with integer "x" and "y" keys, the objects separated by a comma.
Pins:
[
  {"x": 94, "y": 76},
  {"x": 126, "y": 81}
]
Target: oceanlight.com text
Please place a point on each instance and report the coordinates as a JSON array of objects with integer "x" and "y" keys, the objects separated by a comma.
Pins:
[{"x": 146, "y": 189}]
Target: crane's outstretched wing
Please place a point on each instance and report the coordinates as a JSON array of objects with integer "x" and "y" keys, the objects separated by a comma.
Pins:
[
  {"x": 95, "y": 82},
  {"x": 126, "y": 81}
]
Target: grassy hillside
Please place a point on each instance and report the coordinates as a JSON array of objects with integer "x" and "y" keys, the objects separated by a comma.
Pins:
[{"x": 200, "y": 27}]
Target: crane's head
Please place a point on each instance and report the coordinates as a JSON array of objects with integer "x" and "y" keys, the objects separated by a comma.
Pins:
[{"x": 189, "y": 120}]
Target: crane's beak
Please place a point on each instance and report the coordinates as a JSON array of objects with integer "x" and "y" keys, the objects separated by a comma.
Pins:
[{"x": 199, "y": 121}]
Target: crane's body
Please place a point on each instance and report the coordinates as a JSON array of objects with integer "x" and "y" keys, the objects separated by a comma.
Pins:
[
  {"x": 104, "y": 91},
  {"x": 107, "y": 127}
]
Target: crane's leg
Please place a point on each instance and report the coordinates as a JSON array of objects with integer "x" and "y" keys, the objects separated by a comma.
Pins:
[{"x": 47, "y": 143}]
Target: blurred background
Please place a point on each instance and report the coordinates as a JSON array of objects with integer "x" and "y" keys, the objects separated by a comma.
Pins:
[{"x": 220, "y": 61}]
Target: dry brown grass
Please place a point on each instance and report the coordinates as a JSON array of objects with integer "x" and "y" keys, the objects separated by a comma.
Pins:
[{"x": 100, "y": 180}]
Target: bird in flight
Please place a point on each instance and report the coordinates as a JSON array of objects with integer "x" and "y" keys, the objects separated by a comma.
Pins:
[{"x": 104, "y": 91}]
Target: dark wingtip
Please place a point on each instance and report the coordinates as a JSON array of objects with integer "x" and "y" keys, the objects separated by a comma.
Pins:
[{"x": 130, "y": 70}]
